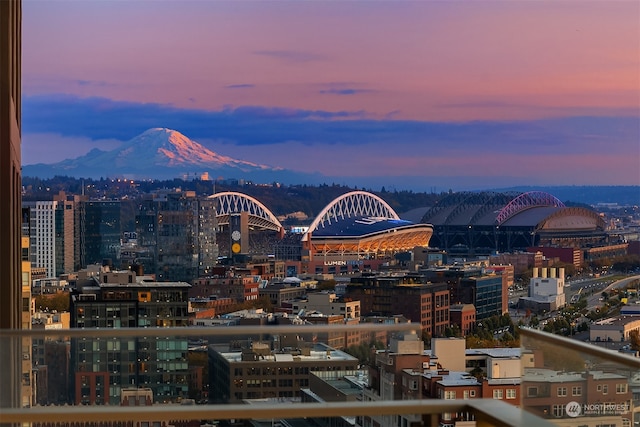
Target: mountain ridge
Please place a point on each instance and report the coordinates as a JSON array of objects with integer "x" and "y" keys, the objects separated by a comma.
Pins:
[{"x": 158, "y": 153}]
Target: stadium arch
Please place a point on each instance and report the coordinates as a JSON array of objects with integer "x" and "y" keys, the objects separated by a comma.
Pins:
[
  {"x": 258, "y": 227},
  {"x": 482, "y": 223},
  {"x": 232, "y": 202},
  {"x": 361, "y": 225}
]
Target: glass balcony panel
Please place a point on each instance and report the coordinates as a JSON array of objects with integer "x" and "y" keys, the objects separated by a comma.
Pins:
[
  {"x": 572, "y": 383},
  {"x": 239, "y": 375}
]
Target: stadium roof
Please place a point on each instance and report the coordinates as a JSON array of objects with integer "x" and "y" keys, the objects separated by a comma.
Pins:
[
  {"x": 360, "y": 226},
  {"x": 359, "y": 223},
  {"x": 371, "y": 236},
  {"x": 533, "y": 209}
]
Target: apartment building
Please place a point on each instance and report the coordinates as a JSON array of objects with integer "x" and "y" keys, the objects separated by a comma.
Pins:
[
  {"x": 102, "y": 367},
  {"x": 423, "y": 303},
  {"x": 259, "y": 372}
]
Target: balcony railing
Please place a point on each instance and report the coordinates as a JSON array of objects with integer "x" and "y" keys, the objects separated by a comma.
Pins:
[
  {"x": 101, "y": 361},
  {"x": 570, "y": 382}
]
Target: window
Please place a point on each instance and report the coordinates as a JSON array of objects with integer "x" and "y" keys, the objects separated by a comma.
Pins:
[
  {"x": 605, "y": 389},
  {"x": 498, "y": 394},
  {"x": 511, "y": 393},
  {"x": 576, "y": 390},
  {"x": 621, "y": 388},
  {"x": 448, "y": 395},
  {"x": 562, "y": 391},
  {"x": 532, "y": 391},
  {"x": 558, "y": 410}
]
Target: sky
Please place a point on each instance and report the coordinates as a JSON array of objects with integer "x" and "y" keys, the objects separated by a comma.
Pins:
[{"x": 454, "y": 94}]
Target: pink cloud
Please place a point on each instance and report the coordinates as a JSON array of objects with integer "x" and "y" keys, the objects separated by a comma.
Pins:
[{"x": 416, "y": 54}]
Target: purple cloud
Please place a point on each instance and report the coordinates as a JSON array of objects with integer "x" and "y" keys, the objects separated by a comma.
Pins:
[
  {"x": 240, "y": 86},
  {"x": 94, "y": 83},
  {"x": 346, "y": 91},
  {"x": 290, "y": 56}
]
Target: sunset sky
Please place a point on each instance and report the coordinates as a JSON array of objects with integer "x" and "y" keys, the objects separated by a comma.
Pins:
[{"x": 458, "y": 94}]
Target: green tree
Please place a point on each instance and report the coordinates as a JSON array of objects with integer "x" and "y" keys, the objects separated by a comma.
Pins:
[
  {"x": 634, "y": 339},
  {"x": 364, "y": 351},
  {"x": 53, "y": 302},
  {"x": 326, "y": 285}
]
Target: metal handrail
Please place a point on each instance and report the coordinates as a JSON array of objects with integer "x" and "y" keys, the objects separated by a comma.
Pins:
[
  {"x": 487, "y": 412},
  {"x": 200, "y": 331}
]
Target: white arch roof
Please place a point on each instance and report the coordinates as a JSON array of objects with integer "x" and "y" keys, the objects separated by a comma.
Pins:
[
  {"x": 231, "y": 202},
  {"x": 349, "y": 205}
]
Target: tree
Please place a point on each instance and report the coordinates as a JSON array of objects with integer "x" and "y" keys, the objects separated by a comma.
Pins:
[
  {"x": 453, "y": 331},
  {"x": 426, "y": 338},
  {"x": 363, "y": 351},
  {"x": 326, "y": 285},
  {"x": 634, "y": 339},
  {"x": 54, "y": 302}
]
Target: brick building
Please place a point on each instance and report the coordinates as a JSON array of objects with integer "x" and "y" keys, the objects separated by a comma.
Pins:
[{"x": 410, "y": 295}]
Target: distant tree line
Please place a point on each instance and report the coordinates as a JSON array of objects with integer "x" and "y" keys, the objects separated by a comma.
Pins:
[{"x": 280, "y": 199}]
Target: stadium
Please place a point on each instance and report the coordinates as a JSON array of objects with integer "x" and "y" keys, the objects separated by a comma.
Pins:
[
  {"x": 354, "y": 227},
  {"x": 360, "y": 225},
  {"x": 359, "y": 230},
  {"x": 471, "y": 224}
]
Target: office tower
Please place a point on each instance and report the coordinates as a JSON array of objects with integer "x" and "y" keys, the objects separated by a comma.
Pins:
[
  {"x": 43, "y": 239},
  {"x": 180, "y": 230},
  {"x": 53, "y": 231},
  {"x": 67, "y": 233},
  {"x": 101, "y": 230},
  {"x": 102, "y": 367}
]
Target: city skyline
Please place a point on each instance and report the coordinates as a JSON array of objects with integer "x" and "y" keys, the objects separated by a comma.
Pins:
[{"x": 459, "y": 95}]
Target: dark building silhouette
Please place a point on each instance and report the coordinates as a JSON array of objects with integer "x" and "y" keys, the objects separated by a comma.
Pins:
[
  {"x": 101, "y": 231},
  {"x": 177, "y": 232}
]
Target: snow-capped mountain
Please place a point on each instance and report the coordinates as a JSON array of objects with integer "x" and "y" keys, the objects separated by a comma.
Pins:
[
  {"x": 156, "y": 153},
  {"x": 169, "y": 148}
]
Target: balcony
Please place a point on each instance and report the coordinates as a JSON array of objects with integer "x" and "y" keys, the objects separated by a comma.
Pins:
[{"x": 562, "y": 382}]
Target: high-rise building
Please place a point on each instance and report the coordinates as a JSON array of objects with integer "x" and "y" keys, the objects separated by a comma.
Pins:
[
  {"x": 54, "y": 230},
  {"x": 11, "y": 195},
  {"x": 43, "y": 239},
  {"x": 101, "y": 231},
  {"x": 101, "y": 368},
  {"x": 179, "y": 229},
  {"x": 67, "y": 233}
]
